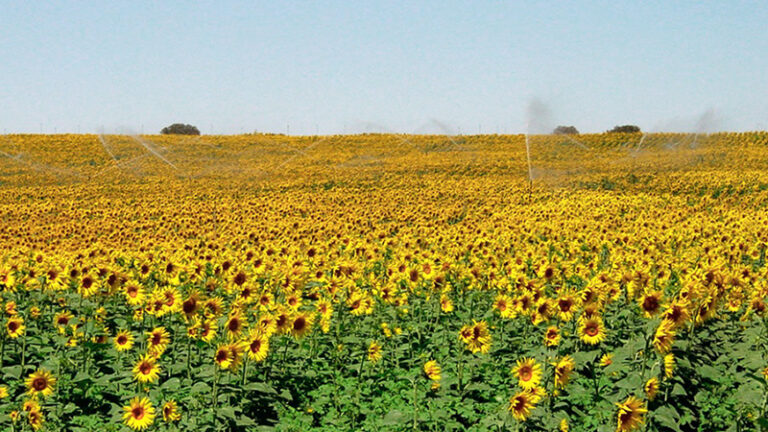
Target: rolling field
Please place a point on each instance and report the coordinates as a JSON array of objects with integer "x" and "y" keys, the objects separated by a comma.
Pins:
[{"x": 384, "y": 282}]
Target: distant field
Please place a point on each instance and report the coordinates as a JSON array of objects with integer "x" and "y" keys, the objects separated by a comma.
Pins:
[{"x": 384, "y": 282}]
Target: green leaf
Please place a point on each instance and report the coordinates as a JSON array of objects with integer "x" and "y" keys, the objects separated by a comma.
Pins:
[
  {"x": 171, "y": 384},
  {"x": 200, "y": 388},
  {"x": 260, "y": 387},
  {"x": 393, "y": 417}
]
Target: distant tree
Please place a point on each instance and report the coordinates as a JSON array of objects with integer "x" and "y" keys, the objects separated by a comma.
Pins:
[
  {"x": 180, "y": 129},
  {"x": 625, "y": 129},
  {"x": 565, "y": 130}
]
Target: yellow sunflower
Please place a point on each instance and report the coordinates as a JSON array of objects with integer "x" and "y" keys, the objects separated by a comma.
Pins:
[
  {"x": 258, "y": 345},
  {"x": 521, "y": 404},
  {"x": 36, "y": 419},
  {"x": 300, "y": 324},
  {"x": 123, "y": 341},
  {"x": 146, "y": 369},
  {"x": 528, "y": 373},
  {"x": 563, "y": 369},
  {"x": 171, "y": 411},
  {"x": 669, "y": 365},
  {"x": 651, "y": 388},
  {"x": 139, "y": 414},
  {"x": 15, "y": 327},
  {"x": 157, "y": 341},
  {"x": 631, "y": 414},
  {"x": 40, "y": 383},
  {"x": 552, "y": 336},
  {"x": 592, "y": 330},
  {"x": 374, "y": 352},
  {"x": 433, "y": 371},
  {"x": 664, "y": 336}
]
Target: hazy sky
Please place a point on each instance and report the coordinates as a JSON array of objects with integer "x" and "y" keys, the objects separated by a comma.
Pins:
[{"x": 333, "y": 67}]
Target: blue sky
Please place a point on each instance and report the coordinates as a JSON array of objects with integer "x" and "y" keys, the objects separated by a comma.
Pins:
[{"x": 334, "y": 67}]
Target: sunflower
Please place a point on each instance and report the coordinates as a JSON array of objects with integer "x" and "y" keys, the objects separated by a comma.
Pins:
[
  {"x": 171, "y": 411},
  {"x": 446, "y": 304},
  {"x": 134, "y": 293},
  {"x": 552, "y": 336},
  {"x": 592, "y": 330},
  {"x": 87, "y": 286},
  {"x": 191, "y": 304},
  {"x": 566, "y": 304},
  {"x": 139, "y": 414},
  {"x": 300, "y": 325},
  {"x": 324, "y": 309},
  {"x": 157, "y": 341},
  {"x": 542, "y": 311},
  {"x": 669, "y": 365},
  {"x": 146, "y": 369},
  {"x": 433, "y": 371},
  {"x": 208, "y": 330},
  {"x": 30, "y": 405},
  {"x": 171, "y": 300},
  {"x": 10, "y": 308},
  {"x": 228, "y": 356},
  {"x": 476, "y": 336},
  {"x": 504, "y": 304},
  {"x": 61, "y": 321},
  {"x": 630, "y": 415},
  {"x": 521, "y": 404},
  {"x": 3, "y": 392},
  {"x": 293, "y": 301},
  {"x": 123, "y": 341},
  {"x": 563, "y": 369},
  {"x": 374, "y": 352},
  {"x": 258, "y": 345},
  {"x": 40, "y": 383},
  {"x": 650, "y": 303},
  {"x": 677, "y": 313},
  {"x": 15, "y": 327},
  {"x": 651, "y": 388},
  {"x": 664, "y": 336},
  {"x": 528, "y": 373},
  {"x": 282, "y": 319},
  {"x": 213, "y": 307},
  {"x": 267, "y": 323},
  {"x": 266, "y": 300},
  {"x": 36, "y": 419},
  {"x": 235, "y": 325},
  {"x": 606, "y": 360},
  {"x": 223, "y": 356}
]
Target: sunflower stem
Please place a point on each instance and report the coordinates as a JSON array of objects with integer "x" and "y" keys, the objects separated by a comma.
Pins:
[
  {"x": 215, "y": 385},
  {"x": 23, "y": 350},
  {"x": 189, "y": 357},
  {"x": 245, "y": 369}
]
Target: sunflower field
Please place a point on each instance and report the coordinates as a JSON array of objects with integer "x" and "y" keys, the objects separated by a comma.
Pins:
[{"x": 382, "y": 282}]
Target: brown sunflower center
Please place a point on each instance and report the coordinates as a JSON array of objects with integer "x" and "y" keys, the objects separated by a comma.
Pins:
[
  {"x": 591, "y": 329},
  {"x": 526, "y": 373},
  {"x": 137, "y": 412},
  {"x": 39, "y": 384}
]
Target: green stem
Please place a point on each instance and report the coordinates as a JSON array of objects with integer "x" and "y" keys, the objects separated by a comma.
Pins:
[
  {"x": 215, "y": 385},
  {"x": 23, "y": 350},
  {"x": 245, "y": 369},
  {"x": 2, "y": 350},
  {"x": 189, "y": 356},
  {"x": 415, "y": 407}
]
